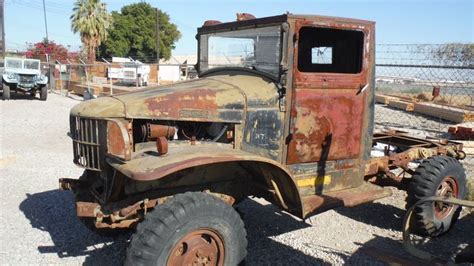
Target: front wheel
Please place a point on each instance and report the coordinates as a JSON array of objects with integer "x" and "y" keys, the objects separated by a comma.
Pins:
[
  {"x": 189, "y": 229},
  {"x": 437, "y": 176},
  {"x": 44, "y": 93},
  {"x": 6, "y": 92}
]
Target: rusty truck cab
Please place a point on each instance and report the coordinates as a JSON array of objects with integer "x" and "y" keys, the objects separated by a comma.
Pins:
[{"x": 321, "y": 125}]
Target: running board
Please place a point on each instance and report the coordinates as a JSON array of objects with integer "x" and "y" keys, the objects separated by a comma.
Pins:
[{"x": 364, "y": 193}]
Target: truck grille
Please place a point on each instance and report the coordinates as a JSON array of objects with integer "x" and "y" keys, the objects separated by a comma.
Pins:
[
  {"x": 86, "y": 142},
  {"x": 27, "y": 78}
]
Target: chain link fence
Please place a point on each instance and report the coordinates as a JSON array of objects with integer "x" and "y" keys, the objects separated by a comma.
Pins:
[
  {"x": 424, "y": 89},
  {"x": 107, "y": 78}
]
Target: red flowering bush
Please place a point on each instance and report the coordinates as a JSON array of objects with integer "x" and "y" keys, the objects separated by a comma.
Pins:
[{"x": 41, "y": 49}]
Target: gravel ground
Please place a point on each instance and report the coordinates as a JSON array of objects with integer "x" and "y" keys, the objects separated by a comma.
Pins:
[{"x": 39, "y": 224}]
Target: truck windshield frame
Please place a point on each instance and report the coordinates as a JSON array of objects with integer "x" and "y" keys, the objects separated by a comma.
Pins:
[
  {"x": 13, "y": 63},
  {"x": 257, "y": 48},
  {"x": 31, "y": 64}
]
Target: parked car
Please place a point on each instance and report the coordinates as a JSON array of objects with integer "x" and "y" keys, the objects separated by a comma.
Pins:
[{"x": 24, "y": 76}]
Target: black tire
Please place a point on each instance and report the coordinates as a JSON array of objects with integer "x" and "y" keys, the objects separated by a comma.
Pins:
[
  {"x": 6, "y": 92},
  {"x": 436, "y": 176},
  {"x": 44, "y": 93},
  {"x": 168, "y": 227}
]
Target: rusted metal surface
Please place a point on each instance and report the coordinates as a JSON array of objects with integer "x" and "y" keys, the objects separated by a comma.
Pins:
[
  {"x": 196, "y": 100},
  {"x": 322, "y": 131},
  {"x": 414, "y": 149},
  {"x": 245, "y": 16},
  {"x": 162, "y": 145},
  {"x": 115, "y": 140},
  {"x": 436, "y": 91},
  {"x": 123, "y": 218},
  {"x": 198, "y": 247},
  {"x": 211, "y": 22},
  {"x": 155, "y": 131},
  {"x": 348, "y": 198},
  {"x": 87, "y": 209},
  {"x": 182, "y": 158},
  {"x": 448, "y": 188},
  {"x": 119, "y": 142},
  {"x": 148, "y": 167},
  {"x": 328, "y": 112}
]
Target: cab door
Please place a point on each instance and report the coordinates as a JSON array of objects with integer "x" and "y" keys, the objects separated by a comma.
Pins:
[{"x": 331, "y": 114}]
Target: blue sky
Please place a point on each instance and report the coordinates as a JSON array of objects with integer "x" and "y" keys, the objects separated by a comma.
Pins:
[{"x": 402, "y": 21}]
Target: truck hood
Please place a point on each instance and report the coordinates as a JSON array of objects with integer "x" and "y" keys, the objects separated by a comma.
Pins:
[
  {"x": 22, "y": 71},
  {"x": 205, "y": 99}
]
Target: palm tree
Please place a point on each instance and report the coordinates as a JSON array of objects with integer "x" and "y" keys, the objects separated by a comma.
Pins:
[{"x": 91, "y": 19}]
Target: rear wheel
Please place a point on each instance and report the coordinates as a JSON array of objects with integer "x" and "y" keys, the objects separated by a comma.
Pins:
[
  {"x": 44, "y": 93},
  {"x": 189, "y": 229},
  {"x": 6, "y": 92},
  {"x": 437, "y": 176}
]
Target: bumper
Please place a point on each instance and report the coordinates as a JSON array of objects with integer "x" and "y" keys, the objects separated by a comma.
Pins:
[
  {"x": 69, "y": 184},
  {"x": 124, "y": 218},
  {"x": 83, "y": 209}
]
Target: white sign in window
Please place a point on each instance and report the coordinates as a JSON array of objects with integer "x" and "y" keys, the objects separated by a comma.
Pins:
[{"x": 321, "y": 55}]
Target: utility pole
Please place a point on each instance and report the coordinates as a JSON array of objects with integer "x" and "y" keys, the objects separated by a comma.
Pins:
[
  {"x": 157, "y": 46},
  {"x": 45, "y": 21},
  {"x": 2, "y": 29},
  {"x": 157, "y": 36}
]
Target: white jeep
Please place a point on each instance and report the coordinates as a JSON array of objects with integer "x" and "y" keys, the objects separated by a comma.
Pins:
[{"x": 24, "y": 75}]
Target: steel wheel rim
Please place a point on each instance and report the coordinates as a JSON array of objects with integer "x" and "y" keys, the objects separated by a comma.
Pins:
[
  {"x": 202, "y": 246},
  {"x": 447, "y": 188}
]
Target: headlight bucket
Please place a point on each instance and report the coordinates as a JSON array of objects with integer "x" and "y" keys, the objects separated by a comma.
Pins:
[
  {"x": 12, "y": 76},
  {"x": 119, "y": 141}
]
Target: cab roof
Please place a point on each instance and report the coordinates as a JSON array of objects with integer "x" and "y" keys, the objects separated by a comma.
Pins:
[{"x": 277, "y": 20}]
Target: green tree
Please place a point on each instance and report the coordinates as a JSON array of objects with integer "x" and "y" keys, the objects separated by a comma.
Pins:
[
  {"x": 134, "y": 34},
  {"x": 91, "y": 19}
]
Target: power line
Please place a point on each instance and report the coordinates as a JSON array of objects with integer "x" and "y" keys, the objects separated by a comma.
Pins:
[{"x": 40, "y": 7}]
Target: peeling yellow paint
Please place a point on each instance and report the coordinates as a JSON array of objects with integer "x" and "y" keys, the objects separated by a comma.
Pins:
[{"x": 314, "y": 181}]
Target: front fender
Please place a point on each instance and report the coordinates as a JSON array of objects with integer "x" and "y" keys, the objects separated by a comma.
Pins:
[
  {"x": 151, "y": 167},
  {"x": 6, "y": 79},
  {"x": 43, "y": 81}
]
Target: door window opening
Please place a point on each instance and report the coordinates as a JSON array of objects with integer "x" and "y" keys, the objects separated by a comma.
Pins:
[{"x": 325, "y": 50}]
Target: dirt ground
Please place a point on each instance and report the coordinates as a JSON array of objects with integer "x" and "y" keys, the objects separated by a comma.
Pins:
[{"x": 39, "y": 225}]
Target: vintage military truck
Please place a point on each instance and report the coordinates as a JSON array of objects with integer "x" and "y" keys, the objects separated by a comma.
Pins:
[
  {"x": 283, "y": 109},
  {"x": 24, "y": 75}
]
